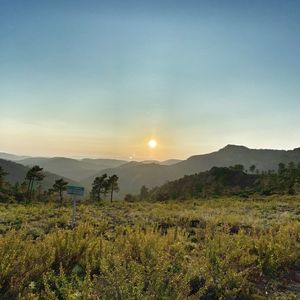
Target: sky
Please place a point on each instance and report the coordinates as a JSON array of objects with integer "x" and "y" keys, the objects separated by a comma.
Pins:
[{"x": 102, "y": 78}]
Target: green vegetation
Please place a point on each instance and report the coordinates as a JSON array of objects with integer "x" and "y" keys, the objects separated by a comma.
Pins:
[
  {"x": 34, "y": 174},
  {"x": 112, "y": 183},
  {"x": 214, "y": 249},
  {"x": 99, "y": 187},
  {"x": 133, "y": 175},
  {"x": 230, "y": 181},
  {"x": 28, "y": 191},
  {"x": 60, "y": 186},
  {"x": 218, "y": 246},
  {"x": 103, "y": 185}
]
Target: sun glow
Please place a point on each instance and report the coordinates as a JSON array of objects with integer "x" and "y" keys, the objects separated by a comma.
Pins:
[{"x": 152, "y": 144}]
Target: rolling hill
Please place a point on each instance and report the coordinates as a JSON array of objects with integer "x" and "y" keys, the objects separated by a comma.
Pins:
[
  {"x": 72, "y": 168},
  {"x": 17, "y": 172},
  {"x": 12, "y": 157},
  {"x": 133, "y": 175},
  {"x": 170, "y": 162},
  {"x": 80, "y": 169}
]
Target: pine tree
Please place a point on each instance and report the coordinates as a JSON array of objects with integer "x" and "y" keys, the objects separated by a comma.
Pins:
[
  {"x": 60, "y": 186},
  {"x": 34, "y": 174},
  {"x": 113, "y": 185},
  {"x": 100, "y": 186}
]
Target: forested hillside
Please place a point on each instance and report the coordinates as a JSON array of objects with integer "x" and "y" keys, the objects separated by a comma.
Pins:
[{"x": 223, "y": 181}]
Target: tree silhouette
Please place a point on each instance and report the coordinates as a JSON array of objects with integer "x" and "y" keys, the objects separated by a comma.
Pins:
[
  {"x": 34, "y": 174},
  {"x": 60, "y": 186},
  {"x": 113, "y": 185},
  {"x": 281, "y": 168},
  {"x": 238, "y": 167},
  {"x": 292, "y": 177},
  {"x": 2, "y": 175},
  {"x": 3, "y": 186},
  {"x": 100, "y": 186},
  {"x": 252, "y": 168},
  {"x": 144, "y": 193}
]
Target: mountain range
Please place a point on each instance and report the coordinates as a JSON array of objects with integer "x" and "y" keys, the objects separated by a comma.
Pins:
[
  {"x": 72, "y": 168},
  {"x": 132, "y": 175}
]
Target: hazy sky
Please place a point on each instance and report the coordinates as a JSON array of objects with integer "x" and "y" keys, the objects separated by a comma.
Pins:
[{"x": 100, "y": 78}]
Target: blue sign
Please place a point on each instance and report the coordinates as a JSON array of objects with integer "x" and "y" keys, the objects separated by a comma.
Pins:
[{"x": 75, "y": 190}]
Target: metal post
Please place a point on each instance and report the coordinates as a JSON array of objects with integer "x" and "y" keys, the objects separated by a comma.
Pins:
[
  {"x": 74, "y": 191},
  {"x": 74, "y": 212}
]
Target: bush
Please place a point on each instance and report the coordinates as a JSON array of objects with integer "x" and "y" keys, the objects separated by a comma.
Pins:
[
  {"x": 129, "y": 198},
  {"x": 196, "y": 250}
]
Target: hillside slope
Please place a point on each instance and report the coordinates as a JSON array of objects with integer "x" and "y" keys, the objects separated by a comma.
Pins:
[
  {"x": 72, "y": 168},
  {"x": 13, "y": 157},
  {"x": 17, "y": 172},
  {"x": 263, "y": 159},
  {"x": 215, "y": 182},
  {"x": 133, "y": 175}
]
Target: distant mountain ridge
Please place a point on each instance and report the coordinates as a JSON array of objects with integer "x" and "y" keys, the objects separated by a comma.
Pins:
[
  {"x": 72, "y": 168},
  {"x": 132, "y": 175},
  {"x": 263, "y": 159},
  {"x": 76, "y": 169},
  {"x": 12, "y": 157}
]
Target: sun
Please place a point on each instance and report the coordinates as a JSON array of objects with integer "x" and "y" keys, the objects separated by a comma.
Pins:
[{"x": 152, "y": 144}]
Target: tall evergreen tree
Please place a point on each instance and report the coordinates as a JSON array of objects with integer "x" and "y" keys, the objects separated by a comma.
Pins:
[
  {"x": 2, "y": 175},
  {"x": 252, "y": 168},
  {"x": 3, "y": 186},
  {"x": 113, "y": 185},
  {"x": 100, "y": 186},
  {"x": 60, "y": 186},
  {"x": 34, "y": 174}
]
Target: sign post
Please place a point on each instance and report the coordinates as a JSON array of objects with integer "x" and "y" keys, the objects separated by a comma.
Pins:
[
  {"x": 74, "y": 211},
  {"x": 74, "y": 191}
]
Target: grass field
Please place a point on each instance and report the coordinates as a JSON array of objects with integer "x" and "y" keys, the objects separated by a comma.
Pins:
[{"x": 226, "y": 248}]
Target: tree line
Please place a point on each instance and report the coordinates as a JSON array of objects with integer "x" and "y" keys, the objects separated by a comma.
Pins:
[
  {"x": 31, "y": 188},
  {"x": 219, "y": 181},
  {"x": 226, "y": 181}
]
